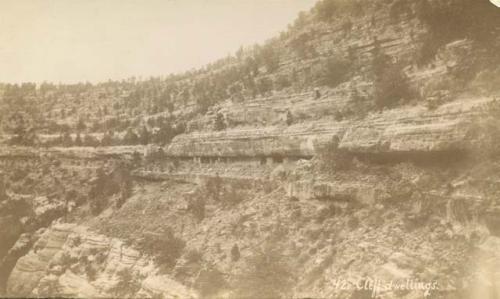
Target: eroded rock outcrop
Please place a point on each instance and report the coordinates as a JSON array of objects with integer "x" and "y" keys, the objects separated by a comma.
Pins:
[{"x": 68, "y": 260}]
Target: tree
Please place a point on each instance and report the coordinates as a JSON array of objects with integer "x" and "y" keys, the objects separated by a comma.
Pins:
[
  {"x": 170, "y": 107},
  {"x": 330, "y": 158},
  {"x": 325, "y": 10},
  {"x": 144, "y": 136},
  {"x": 210, "y": 282},
  {"x": 197, "y": 207},
  {"x": 20, "y": 125},
  {"x": 270, "y": 58},
  {"x": 81, "y": 125},
  {"x": 391, "y": 87},
  {"x": 299, "y": 44},
  {"x": 78, "y": 140},
  {"x": 3, "y": 193},
  {"x": 283, "y": 82},
  {"x": 136, "y": 159},
  {"x": 289, "y": 118},
  {"x": 268, "y": 275},
  {"x": 219, "y": 123},
  {"x": 164, "y": 134},
  {"x": 126, "y": 186},
  {"x": 391, "y": 83},
  {"x": 336, "y": 71},
  {"x": 164, "y": 246},
  {"x": 66, "y": 139},
  {"x": 235, "y": 253},
  {"x": 128, "y": 284},
  {"x": 107, "y": 139},
  {"x": 264, "y": 85},
  {"x": 130, "y": 137},
  {"x": 458, "y": 19},
  {"x": 97, "y": 195},
  {"x": 89, "y": 140}
]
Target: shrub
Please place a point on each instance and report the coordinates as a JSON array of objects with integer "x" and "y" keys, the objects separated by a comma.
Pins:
[
  {"x": 487, "y": 81},
  {"x": 89, "y": 140},
  {"x": 194, "y": 256},
  {"x": 270, "y": 57},
  {"x": 457, "y": 19},
  {"x": 326, "y": 10},
  {"x": 219, "y": 122},
  {"x": 197, "y": 207},
  {"x": 50, "y": 287},
  {"x": 3, "y": 189},
  {"x": 289, "y": 118},
  {"x": 91, "y": 272},
  {"x": 299, "y": 45},
  {"x": 164, "y": 246},
  {"x": 210, "y": 282},
  {"x": 21, "y": 126},
  {"x": 327, "y": 212},
  {"x": 10, "y": 230},
  {"x": 336, "y": 71},
  {"x": 353, "y": 222},
  {"x": 427, "y": 50},
  {"x": 232, "y": 196},
  {"x": 126, "y": 189},
  {"x": 283, "y": 82},
  {"x": 127, "y": 284},
  {"x": 18, "y": 174},
  {"x": 398, "y": 8},
  {"x": 235, "y": 253},
  {"x": 213, "y": 187},
  {"x": 264, "y": 85},
  {"x": 155, "y": 295},
  {"x": 391, "y": 85},
  {"x": 484, "y": 133},
  {"x": 330, "y": 158},
  {"x": 98, "y": 194},
  {"x": 268, "y": 275}
]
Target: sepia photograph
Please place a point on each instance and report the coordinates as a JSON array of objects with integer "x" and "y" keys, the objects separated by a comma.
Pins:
[{"x": 250, "y": 149}]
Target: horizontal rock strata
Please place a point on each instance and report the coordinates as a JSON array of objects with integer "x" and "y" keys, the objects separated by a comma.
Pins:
[
  {"x": 63, "y": 255},
  {"x": 408, "y": 129}
]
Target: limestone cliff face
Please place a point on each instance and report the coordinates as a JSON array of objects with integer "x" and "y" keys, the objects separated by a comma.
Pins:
[
  {"x": 406, "y": 129},
  {"x": 68, "y": 260},
  {"x": 298, "y": 140},
  {"x": 416, "y": 129}
]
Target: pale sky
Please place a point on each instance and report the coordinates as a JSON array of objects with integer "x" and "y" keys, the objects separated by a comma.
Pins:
[{"x": 96, "y": 40}]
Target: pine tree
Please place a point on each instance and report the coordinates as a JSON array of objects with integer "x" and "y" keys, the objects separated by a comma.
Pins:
[
  {"x": 130, "y": 138},
  {"x": 235, "y": 253},
  {"x": 144, "y": 136},
  {"x": 3, "y": 194},
  {"x": 78, "y": 140},
  {"x": 219, "y": 123}
]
